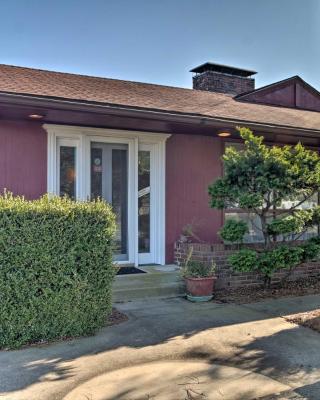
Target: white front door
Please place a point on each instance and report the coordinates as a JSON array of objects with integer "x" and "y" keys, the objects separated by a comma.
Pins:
[
  {"x": 127, "y": 169},
  {"x": 109, "y": 181}
]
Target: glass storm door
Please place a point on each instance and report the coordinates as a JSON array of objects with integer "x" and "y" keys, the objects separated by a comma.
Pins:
[
  {"x": 145, "y": 211},
  {"x": 125, "y": 168},
  {"x": 109, "y": 181}
]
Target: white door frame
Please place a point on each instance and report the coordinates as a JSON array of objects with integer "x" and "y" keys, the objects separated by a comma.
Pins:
[
  {"x": 81, "y": 138},
  {"x": 148, "y": 258}
]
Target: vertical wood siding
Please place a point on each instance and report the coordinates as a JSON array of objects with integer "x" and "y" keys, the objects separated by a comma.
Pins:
[
  {"x": 192, "y": 163},
  {"x": 23, "y": 158}
]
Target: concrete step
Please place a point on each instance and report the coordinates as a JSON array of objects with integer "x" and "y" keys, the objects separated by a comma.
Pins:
[{"x": 158, "y": 281}]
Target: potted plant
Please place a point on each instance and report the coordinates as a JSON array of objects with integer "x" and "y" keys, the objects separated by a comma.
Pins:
[{"x": 200, "y": 279}]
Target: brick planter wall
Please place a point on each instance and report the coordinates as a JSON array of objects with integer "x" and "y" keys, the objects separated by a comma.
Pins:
[{"x": 227, "y": 278}]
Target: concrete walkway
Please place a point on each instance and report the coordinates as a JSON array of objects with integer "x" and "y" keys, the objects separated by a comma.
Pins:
[{"x": 182, "y": 345}]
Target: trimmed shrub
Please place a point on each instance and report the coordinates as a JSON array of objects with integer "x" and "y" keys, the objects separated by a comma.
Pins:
[
  {"x": 56, "y": 268},
  {"x": 244, "y": 260},
  {"x": 259, "y": 179},
  {"x": 233, "y": 231},
  {"x": 267, "y": 261},
  {"x": 311, "y": 250},
  {"x": 281, "y": 257}
]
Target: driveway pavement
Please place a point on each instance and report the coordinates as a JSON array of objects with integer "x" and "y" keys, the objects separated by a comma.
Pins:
[{"x": 216, "y": 350}]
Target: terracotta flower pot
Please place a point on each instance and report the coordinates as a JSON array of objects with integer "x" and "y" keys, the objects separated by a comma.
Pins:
[{"x": 200, "y": 289}]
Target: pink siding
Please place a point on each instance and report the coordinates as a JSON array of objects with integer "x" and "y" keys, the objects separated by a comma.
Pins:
[
  {"x": 307, "y": 99},
  {"x": 192, "y": 163},
  {"x": 282, "y": 96},
  {"x": 292, "y": 94},
  {"x": 23, "y": 158}
]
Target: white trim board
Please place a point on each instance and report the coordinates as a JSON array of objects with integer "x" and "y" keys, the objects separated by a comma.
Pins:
[{"x": 81, "y": 138}]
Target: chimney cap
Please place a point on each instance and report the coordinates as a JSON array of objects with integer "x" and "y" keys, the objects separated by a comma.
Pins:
[{"x": 224, "y": 69}]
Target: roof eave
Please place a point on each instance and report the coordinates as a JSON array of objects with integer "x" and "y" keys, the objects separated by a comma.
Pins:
[{"x": 136, "y": 112}]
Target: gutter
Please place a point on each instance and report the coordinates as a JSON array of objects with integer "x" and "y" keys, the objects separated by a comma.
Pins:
[{"x": 154, "y": 114}]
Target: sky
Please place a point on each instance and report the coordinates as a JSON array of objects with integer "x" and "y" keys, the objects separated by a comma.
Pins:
[{"x": 159, "y": 41}]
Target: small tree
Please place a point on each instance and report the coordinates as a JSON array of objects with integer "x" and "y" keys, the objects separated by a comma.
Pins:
[{"x": 259, "y": 179}]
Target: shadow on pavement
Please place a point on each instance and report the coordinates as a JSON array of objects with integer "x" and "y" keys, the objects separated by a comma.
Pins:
[{"x": 290, "y": 352}]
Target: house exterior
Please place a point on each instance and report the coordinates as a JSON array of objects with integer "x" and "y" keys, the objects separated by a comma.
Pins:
[{"x": 149, "y": 150}]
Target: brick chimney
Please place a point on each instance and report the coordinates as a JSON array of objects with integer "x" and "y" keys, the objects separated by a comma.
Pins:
[{"x": 222, "y": 79}]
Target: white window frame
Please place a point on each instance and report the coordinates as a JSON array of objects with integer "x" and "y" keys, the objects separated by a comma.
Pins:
[
  {"x": 81, "y": 138},
  {"x": 61, "y": 142}
]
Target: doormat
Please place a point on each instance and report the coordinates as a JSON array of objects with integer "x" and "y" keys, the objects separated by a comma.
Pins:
[{"x": 130, "y": 270}]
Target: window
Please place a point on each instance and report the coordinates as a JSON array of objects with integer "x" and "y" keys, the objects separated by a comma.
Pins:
[
  {"x": 144, "y": 200},
  {"x": 312, "y": 202},
  {"x": 254, "y": 225},
  {"x": 109, "y": 181},
  {"x": 67, "y": 171},
  {"x": 254, "y": 234}
]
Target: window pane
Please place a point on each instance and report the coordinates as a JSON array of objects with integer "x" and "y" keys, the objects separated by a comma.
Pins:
[
  {"x": 68, "y": 171},
  {"x": 309, "y": 233},
  {"x": 119, "y": 197},
  {"x": 96, "y": 172},
  {"x": 312, "y": 202},
  {"x": 109, "y": 181},
  {"x": 144, "y": 201},
  {"x": 254, "y": 225}
]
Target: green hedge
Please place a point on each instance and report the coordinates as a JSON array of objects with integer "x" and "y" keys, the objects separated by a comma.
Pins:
[{"x": 56, "y": 268}]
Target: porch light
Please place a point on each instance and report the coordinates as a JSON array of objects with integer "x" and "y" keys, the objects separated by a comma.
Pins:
[
  {"x": 224, "y": 134},
  {"x": 35, "y": 116}
]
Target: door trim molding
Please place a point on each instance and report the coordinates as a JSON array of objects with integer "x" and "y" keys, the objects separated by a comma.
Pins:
[
  {"x": 81, "y": 137},
  {"x": 145, "y": 258}
]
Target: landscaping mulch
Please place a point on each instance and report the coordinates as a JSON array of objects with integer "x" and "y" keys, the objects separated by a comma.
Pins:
[
  {"x": 116, "y": 317},
  {"x": 288, "y": 289},
  {"x": 309, "y": 319}
]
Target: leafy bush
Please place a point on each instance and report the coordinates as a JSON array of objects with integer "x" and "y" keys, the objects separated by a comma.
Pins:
[
  {"x": 266, "y": 261},
  {"x": 233, "y": 231},
  {"x": 286, "y": 225},
  {"x": 260, "y": 179},
  {"x": 244, "y": 260},
  {"x": 197, "y": 269},
  {"x": 280, "y": 257},
  {"x": 315, "y": 240},
  {"x": 311, "y": 250},
  {"x": 56, "y": 268}
]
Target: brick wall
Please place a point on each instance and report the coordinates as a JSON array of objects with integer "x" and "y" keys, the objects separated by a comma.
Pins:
[
  {"x": 227, "y": 278},
  {"x": 222, "y": 83}
]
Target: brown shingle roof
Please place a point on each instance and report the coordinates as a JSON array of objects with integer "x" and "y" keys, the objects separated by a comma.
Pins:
[{"x": 20, "y": 80}]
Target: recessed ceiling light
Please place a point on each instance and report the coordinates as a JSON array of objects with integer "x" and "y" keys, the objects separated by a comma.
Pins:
[
  {"x": 224, "y": 134},
  {"x": 36, "y": 116}
]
